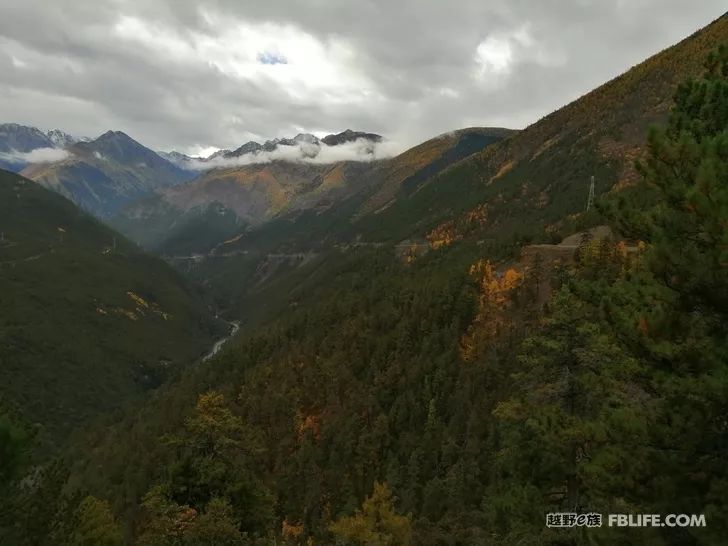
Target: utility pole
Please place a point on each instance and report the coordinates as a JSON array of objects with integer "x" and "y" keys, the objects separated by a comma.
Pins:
[{"x": 590, "y": 198}]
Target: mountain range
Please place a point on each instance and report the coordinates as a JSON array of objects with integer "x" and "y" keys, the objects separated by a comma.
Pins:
[
  {"x": 106, "y": 174},
  {"x": 304, "y": 146},
  {"x": 257, "y": 192},
  {"x": 156, "y": 197}
]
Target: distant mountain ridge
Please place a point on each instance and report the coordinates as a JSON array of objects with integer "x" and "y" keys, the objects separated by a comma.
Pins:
[
  {"x": 300, "y": 139},
  {"x": 104, "y": 174},
  {"x": 309, "y": 146},
  {"x": 239, "y": 197},
  {"x": 18, "y": 141}
]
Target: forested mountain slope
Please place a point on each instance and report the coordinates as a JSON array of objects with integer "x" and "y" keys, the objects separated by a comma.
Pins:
[{"x": 88, "y": 321}]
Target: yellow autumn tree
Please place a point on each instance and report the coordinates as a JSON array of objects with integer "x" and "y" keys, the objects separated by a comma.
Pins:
[
  {"x": 494, "y": 298},
  {"x": 376, "y": 524},
  {"x": 443, "y": 235}
]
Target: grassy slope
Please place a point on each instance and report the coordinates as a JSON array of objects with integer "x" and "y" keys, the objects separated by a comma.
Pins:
[{"x": 73, "y": 341}]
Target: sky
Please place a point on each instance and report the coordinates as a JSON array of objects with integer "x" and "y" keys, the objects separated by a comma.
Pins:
[{"x": 198, "y": 75}]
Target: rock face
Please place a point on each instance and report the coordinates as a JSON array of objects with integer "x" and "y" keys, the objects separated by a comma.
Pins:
[
  {"x": 22, "y": 138},
  {"x": 247, "y": 148},
  {"x": 61, "y": 139}
]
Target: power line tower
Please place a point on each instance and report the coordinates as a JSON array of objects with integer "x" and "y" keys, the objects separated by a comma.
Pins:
[{"x": 590, "y": 198}]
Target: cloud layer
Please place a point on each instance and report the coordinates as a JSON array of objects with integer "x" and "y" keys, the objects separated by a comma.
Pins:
[
  {"x": 39, "y": 155},
  {"x": 357, "y": 150},
  {"x": 190, "y": 74}
]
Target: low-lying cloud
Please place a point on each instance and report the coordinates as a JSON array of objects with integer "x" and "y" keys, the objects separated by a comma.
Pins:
[
  {"x": 304, "y": 152},
  {"x": 39, "y": 155}
]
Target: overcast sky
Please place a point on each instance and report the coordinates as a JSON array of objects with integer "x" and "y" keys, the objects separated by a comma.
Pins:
[{"x": 195, "y": 74}]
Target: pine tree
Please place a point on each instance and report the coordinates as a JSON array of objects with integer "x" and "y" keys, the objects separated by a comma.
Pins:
[
  {"x": 571, "y": 433},
  {"x": 672, "y": 307}
]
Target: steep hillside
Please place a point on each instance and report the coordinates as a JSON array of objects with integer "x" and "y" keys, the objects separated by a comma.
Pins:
[
  {"x": 88, "y": 321},
  {"x": 103, "y": 175},
  {"x": 258, "y": 192},
  {"x": 540, "y": 176},
  {"x": 413, "y": 167},
  {"x": 234, "y": 198}
]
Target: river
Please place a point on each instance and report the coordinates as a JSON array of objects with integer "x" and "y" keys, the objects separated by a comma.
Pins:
[{"x": 234, "y": 327}]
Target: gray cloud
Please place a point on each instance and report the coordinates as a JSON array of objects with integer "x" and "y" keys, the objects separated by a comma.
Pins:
[{"x": 189, "y": 74}]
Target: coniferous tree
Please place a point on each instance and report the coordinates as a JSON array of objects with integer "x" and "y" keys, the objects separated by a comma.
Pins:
[{"x": 673, "y": 307}]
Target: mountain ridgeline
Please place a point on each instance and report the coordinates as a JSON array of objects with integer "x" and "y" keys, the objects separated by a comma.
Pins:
[
  {"x": 104, "y": 174},
  {"x": 419, "y": 363}
]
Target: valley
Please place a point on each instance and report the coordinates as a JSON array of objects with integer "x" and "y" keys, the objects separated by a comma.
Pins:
[
  {"x": 315, "y": 340},
  {"x": 220, "y": 343}
]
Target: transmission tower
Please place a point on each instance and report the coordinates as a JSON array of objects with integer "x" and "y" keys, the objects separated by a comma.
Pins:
[{"x": 590, "y": 198}]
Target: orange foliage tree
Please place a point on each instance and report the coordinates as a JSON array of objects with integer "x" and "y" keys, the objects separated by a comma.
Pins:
[{"x": 495, "y": 296}]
